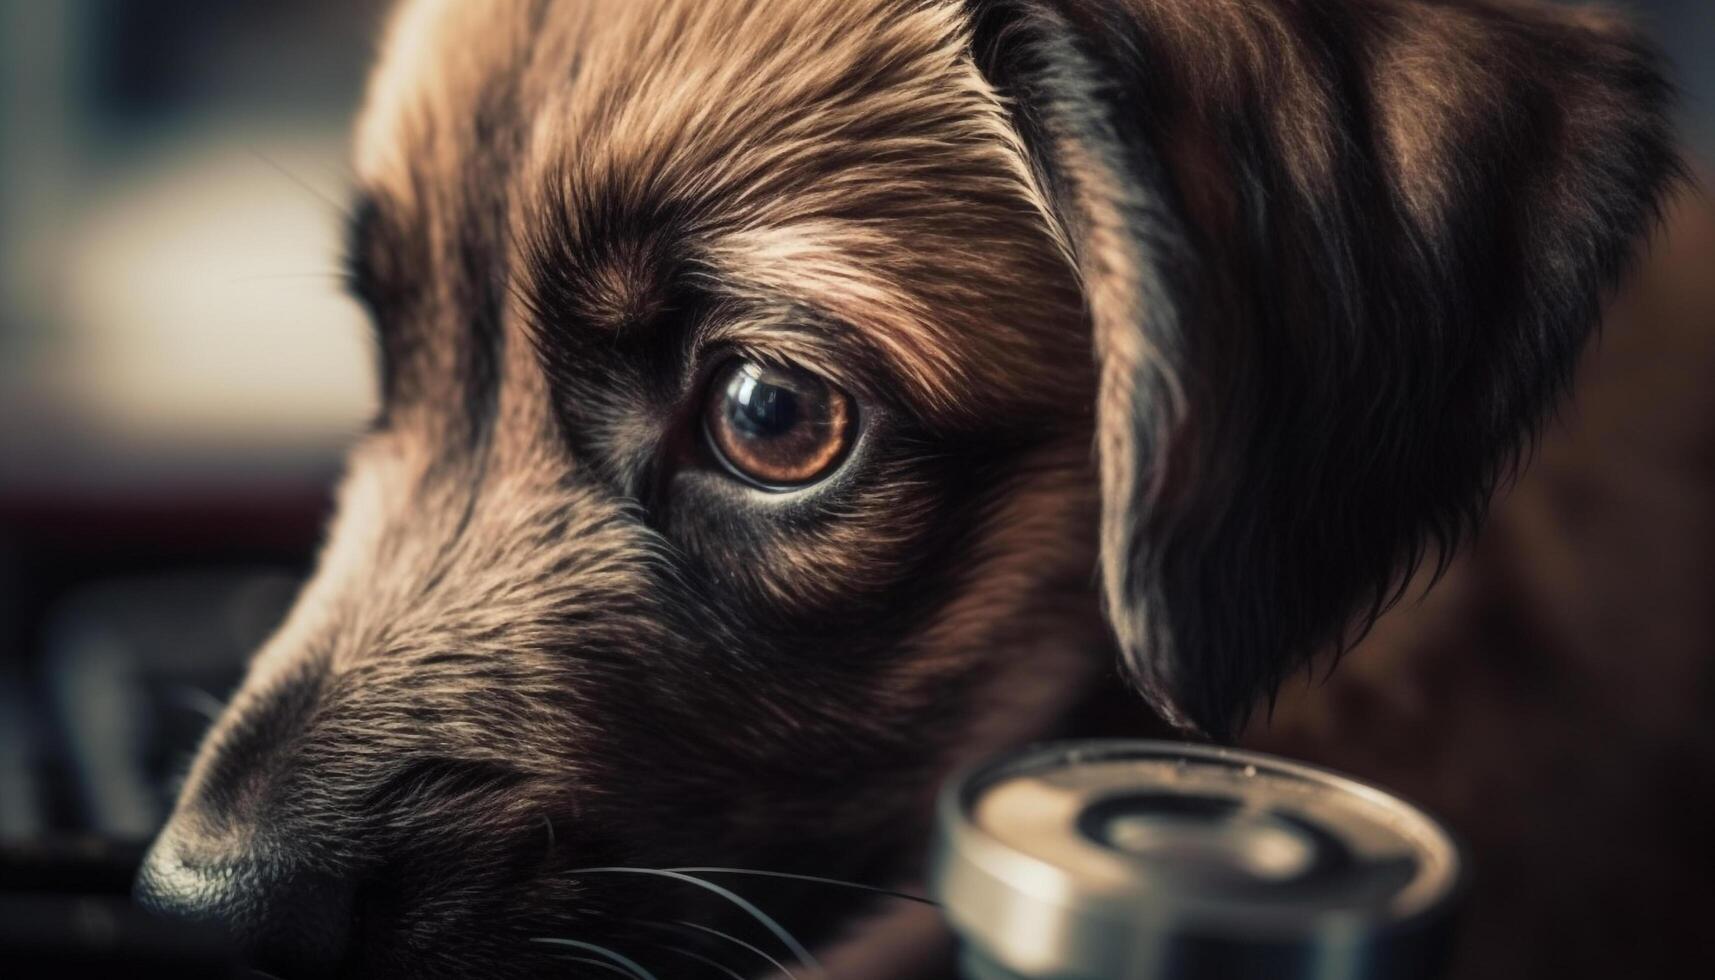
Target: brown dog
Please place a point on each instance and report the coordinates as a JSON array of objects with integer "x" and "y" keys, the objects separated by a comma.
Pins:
[{"x": 741, "y": 364}]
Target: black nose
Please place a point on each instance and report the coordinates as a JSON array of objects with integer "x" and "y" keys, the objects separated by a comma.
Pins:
[{"x": 286, "y": 920}]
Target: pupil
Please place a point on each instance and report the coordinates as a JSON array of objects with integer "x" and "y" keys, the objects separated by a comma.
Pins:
[{"x": 760, "y": 409}]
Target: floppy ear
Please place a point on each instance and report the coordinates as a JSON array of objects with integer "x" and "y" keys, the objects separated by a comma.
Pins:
[{"x": 1339, "y": 259}]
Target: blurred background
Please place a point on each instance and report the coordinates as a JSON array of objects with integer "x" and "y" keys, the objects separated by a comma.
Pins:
[
  {"x": 179, "y": 369},
  {"x": 178, "y": 372}
]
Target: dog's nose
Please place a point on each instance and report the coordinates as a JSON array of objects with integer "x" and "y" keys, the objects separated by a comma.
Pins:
[{"x": 288, "y": 921}]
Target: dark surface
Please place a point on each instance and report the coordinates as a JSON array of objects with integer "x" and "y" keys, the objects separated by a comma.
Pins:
[
  {"x": 65, "y": 906},
  {"x": 126, "y": 623}
]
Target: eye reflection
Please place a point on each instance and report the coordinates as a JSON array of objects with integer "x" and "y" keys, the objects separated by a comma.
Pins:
[{"x": 776, "y": 427}]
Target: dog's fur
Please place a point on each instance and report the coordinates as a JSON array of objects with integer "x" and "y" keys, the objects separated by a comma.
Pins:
[
  {"x": 1551, "y": 694},
  {"x": 1304, "y": 273}
]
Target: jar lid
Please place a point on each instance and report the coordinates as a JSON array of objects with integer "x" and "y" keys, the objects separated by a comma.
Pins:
[{"x": 1140, "y": 860}]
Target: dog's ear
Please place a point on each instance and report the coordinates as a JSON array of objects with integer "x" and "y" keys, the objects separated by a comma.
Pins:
[{"x": 1339, "y": 258}]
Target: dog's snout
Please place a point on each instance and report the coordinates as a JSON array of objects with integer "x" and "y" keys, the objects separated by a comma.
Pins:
[{"x": 289, "y": 921}]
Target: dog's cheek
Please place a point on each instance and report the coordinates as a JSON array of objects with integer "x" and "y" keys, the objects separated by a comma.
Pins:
[
  {"x": 987, "y": 639},
  {"x": 1025, "y": 619},
  {"x": 853, "y": 567}
]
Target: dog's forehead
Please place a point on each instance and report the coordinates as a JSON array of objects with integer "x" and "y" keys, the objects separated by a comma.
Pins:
[
  {"x": 844, "y": 155},
  {"x": 648, "y": 83}
]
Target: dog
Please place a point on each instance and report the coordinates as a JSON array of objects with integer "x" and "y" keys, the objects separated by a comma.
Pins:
[{"x": 787, "y": 401}]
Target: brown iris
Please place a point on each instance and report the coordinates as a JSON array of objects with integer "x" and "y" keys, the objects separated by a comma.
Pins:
[{"x": 776, "y": 427}]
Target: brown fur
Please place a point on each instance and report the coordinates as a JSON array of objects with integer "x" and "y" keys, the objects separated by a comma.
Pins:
[
  {"x": 1239, "y": 246},
  {"x": 1550, "y": 695}
]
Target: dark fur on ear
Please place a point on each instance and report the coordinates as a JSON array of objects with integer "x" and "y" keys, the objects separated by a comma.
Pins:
[{"x": 1339, "y": 259}]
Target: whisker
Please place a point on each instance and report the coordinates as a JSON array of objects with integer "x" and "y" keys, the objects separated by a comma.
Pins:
[
  {"x": 729, "y": 937},
  {"x": 791, "y": 943},
  {"x": 630, "y": 965},
  {"x": 711, "y": 930},
  {"x": 755, "y": 872},
  {"x": 303, "y": 184},
  {"x": 706, "y": 961},
  {"x": 196, "y": 700}
]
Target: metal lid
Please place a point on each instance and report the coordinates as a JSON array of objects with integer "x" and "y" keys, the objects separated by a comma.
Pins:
[{"x": 1136, "y": 860}]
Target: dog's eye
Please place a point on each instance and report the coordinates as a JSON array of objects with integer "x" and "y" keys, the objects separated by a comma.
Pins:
[{"x": 775, "y": 427}]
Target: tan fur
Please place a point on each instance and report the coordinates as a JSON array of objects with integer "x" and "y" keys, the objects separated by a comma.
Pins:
[{"x": 750, "y": 111}]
